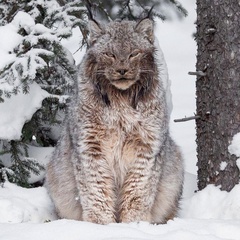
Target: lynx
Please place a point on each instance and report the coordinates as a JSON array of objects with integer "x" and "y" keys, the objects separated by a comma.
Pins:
[{"x": 116, "y": 161}]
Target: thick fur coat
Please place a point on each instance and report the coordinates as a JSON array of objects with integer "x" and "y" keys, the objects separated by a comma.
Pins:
[{"x": 115, "y": 161}]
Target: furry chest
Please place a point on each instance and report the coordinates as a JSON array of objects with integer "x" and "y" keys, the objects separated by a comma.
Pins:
[
  {"x": 120, "y": 153},
  {"x": 122, "y": 119},
  {"x": 120, "y": 142}
]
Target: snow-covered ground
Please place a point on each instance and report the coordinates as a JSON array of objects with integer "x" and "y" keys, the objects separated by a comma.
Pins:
[{"x": 27, "y": 214}]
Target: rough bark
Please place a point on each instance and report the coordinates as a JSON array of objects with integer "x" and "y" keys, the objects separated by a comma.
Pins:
[{"x": 218, "y": 92}]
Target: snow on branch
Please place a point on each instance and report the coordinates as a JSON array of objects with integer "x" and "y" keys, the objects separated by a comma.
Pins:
[{"x": 36, "y": 56}]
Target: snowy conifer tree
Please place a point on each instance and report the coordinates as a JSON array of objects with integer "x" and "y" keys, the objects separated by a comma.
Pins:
[
  {"x": 134, "y": 9},
  {"x": 38, "y": 58}
]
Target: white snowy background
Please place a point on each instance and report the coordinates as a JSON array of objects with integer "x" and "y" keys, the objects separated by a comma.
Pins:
[{"x": 211, "y": 214}]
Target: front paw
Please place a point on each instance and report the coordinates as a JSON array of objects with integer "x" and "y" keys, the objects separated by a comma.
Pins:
[
  {"x": 99, "y": 217},
  {"x": 134, "y": 215}
]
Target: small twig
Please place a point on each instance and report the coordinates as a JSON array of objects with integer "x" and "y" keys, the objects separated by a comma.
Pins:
[
  {"x": 198, "y": 73},
  {"x": 186, "y": 119}
]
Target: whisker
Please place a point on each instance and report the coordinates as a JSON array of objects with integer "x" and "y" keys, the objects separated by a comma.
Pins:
[
  {"x": 146, "y": 70},
  {"x": 100, "y": 72}
]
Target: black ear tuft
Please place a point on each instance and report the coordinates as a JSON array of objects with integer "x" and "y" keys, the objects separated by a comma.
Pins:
[
  {"x": 150, "y": 13},
  {"x": 95, "y": 30}
]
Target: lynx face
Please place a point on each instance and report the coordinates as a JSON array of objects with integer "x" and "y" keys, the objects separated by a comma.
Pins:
[
  {"x": 122, "y": 70},
  {"x": 122, "y": 52}
]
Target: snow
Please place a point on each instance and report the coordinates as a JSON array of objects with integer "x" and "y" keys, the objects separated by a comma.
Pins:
[
  {"x": 212, "y": 203},
  {"x": 8, "y": 41},
  {"x": 13, "y": 118},
  {"x": 238, "y": 163},
  {"x": 19, "y": 205},
  {"x": 71, "y": 230},
  {"x": 23, "y": 20},
  {"x": 234, "y": 147},
  {"x": 210, "y": 214},
  {"x": 223, "y": 165}
]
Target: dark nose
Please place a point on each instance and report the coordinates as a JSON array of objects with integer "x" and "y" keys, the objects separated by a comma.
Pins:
[{"x": 122, "y": 71}]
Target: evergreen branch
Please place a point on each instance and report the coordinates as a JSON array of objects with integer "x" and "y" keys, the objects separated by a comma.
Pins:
[{"x": 179, "y": 7}]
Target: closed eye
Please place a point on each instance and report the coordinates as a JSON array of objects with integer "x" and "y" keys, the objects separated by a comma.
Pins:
[
  {"x": 134, "y": 54},
  {"x": 110, "y": 55}
]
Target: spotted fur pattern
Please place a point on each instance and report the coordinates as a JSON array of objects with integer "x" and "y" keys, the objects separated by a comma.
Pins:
[{"x": 115, "y": 161}]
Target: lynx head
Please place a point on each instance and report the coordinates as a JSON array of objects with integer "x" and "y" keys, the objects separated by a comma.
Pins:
[{"x": 121, "y": 54}]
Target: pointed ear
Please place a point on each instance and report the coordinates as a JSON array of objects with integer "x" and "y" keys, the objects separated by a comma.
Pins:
[
  {"x": 95, "y": 31},
  {"x": 145, "y": 27}
]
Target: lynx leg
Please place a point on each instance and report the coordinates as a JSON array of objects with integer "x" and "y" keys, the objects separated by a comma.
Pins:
[
  {"x": 138, "y": 192},
  {"x": 95, "y": 186},
  {"x": 95, "y": 180}
]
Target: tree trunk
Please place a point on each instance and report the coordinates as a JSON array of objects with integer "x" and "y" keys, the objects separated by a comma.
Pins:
[{"x": 218, "y": 91}]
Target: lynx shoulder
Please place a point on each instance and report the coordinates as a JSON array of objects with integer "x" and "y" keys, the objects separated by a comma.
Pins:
[{"x": 116, "y": 161}]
